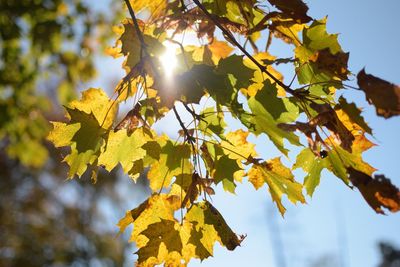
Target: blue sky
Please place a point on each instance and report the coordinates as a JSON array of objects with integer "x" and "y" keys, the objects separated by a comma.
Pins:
[{"x": 336, "y": 223}]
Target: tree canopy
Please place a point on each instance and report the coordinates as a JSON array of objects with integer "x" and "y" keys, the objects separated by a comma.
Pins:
[{"x": 227, "y": 77}]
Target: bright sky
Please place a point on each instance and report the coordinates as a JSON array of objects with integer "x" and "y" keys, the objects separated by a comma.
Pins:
[{"x": 336, "y": 223}]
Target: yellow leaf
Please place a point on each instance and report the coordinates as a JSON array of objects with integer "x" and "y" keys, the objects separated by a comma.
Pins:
[
  {"x": 96, "y": 101},
  {"x": 61, "y": 135},
  {"x": 123, "y": 149},
  {"x": 155, "y": 7},
  {"x": 279, "y": 179},
  {"x": 237, "y": 147},
  {"x": 174, "y": 160}
]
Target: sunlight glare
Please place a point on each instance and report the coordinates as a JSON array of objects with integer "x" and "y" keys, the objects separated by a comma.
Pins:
[{"x": 168, "y": 59}]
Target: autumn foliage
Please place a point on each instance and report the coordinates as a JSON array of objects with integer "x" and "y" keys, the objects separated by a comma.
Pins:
[{"x": 227, "y": 76}]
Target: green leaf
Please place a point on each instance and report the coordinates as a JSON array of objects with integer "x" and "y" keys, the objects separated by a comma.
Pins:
[
  {"x": 212, "y": 122},
  {"x": 225, "y": 169},
  {"x": 312, "y": 165},
  {"x": 341, "y": 159},
  {"x": 131, "y": 46},
  {"x": 264, "y": 122},
  {"x": 315, "y": 37},
  {"x": 124, "y": 149},
  {"x": 233, "y": 65},
  {"x": 174, "y": 160},
  {"x": 86, "y": 142},
  {"x": 217, "y": 85}
]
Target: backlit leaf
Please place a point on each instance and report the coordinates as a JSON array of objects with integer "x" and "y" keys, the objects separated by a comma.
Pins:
[
  {"x": 312, "y": 166},
  {"x": 174, "y": 160},
  {"x": 123, "y": 148},
  {"x": 264, "y": 121},
  {"x": 210, "y": 227},
  {"x": 279, "y": 179}
]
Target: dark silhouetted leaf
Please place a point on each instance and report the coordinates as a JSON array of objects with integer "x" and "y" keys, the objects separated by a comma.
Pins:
[
  {"x": 378, "y": 191},
  {"x": 384, "y": 95}
]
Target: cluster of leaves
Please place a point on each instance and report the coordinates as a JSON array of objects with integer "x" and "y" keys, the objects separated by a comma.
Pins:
[{"x": 246, "y": 85}]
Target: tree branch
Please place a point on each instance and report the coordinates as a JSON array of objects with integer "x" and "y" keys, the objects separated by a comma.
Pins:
[{"x": 188, "y": 136}]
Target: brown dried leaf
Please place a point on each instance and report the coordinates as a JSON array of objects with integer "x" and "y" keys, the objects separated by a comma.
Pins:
[
  {"x": 385, "y": 96},
  {"x": 131, "y": 120},
  {"x": 327, "y": 117},
  {"x": 332, "y": 63},
  {"x": 204, "y": 184},
  {"x": 378, "y": 191}
]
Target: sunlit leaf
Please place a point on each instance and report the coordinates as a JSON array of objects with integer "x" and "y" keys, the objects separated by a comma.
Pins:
[{"x": 279, "y": 179}]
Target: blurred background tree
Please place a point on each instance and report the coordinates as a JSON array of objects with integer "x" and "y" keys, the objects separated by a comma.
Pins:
[
  {"x": 390, "y": 255},
  {"x": 48, "y": 48}
]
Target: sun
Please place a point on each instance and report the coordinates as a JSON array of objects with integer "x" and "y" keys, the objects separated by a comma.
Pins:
[{"x": 168, "y": 59}]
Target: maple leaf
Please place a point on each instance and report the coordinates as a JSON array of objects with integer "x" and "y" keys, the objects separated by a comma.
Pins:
[
  {"x": 86, "y": 142},
  {"x": 124, "y": 149},
  {"x": 322, "y": 61},
  {"x": 264, "y": 121},
  {"x": 219, "y": 50},
  {"x": 163, "y": 239},
  {"x": 312, "y": 165},
  {"x": 90, "y": 118},
  {"x": 155, "y": 7},
  {"x": 211, "y": 122},
  {"x": 62, "y": 133},
  {"x": 383, "y": 95},
  {"x": 285, "y": 29},
  {"x": 95, "y": 101},
  {"x": 132, "y": 48},
  {"x": 225, "y": 169},
  {"x": 350, "y": 116},
  {"x": 234, "y": 66},
  {"x": 315, "y": 37},
  {"x": 295, "y": 9},
  {"x": 333, "y": 64},
  {"x": 152, "y": 210},
  {"x": 378, "y": 191},
  {"x": 236, "y": 146},
  {"x": 341, "y": 159},
  {"x": 209, "y": 227},
  {"x": 223, "y": 161},
  {"x": 173, "y": 160},
  {"x": 279, "y": 179}
]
